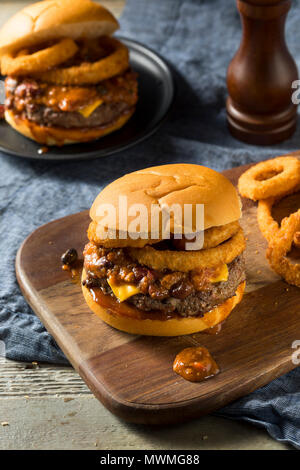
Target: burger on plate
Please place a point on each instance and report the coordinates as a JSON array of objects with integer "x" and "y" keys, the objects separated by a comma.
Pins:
[
  {"x": 151, "y": 280},
  {"x": 68, "y": 80}
]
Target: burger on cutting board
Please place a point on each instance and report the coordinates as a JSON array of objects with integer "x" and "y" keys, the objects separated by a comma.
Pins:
[
  {"x": 147, "y": 280},
  {"x": 68, "y": 80}
]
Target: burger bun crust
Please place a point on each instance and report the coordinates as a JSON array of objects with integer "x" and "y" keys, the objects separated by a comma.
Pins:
[
  {"x": 179, "y": 184},
  {"x": 55, "y": 19}
]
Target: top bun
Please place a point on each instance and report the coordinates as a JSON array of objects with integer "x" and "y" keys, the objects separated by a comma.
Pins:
[
  {"x": 53, "y": 19},
  {"x": 171, "y": 184}
]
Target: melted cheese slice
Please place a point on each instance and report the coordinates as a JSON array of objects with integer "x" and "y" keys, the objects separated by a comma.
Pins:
[
  {"x": 222, "y": 275},
  {"x": 123, "y": 291},
  {"x": 90, "y": 108}
]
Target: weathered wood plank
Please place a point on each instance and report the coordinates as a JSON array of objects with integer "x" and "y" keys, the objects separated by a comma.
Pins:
[
  {"x": 81, "y": 423},
  {"x": 19, "y": 379}
]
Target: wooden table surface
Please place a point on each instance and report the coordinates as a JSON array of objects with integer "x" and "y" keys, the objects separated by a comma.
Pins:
[{"x": 50, "y": 407}]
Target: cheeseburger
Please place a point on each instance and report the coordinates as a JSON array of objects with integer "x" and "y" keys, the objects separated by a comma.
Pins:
[
  {"x": 68, "y": 80},
  {"x": 156, "y": 281}
]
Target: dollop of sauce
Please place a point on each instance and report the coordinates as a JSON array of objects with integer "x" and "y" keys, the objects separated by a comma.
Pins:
[{"x": 195, "y": 364}]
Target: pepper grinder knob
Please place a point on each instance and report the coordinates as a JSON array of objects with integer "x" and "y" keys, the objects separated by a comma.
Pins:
[{"x": 259, "y": 77}]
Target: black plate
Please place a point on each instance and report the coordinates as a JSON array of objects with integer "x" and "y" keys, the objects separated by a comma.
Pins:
[{"x": 156, "y": 93}]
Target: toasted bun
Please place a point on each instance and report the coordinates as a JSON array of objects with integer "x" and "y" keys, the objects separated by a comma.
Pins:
[
  {"x": 176, "y": 326},
  {"x": 166, "y": 185},
  {"x": 60, "y": 136},
  {"x": 54, "y": 19}
]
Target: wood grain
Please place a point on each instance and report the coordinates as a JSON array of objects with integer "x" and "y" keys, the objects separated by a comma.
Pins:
[
  {"x": 133, "y": 375},
  {"x": 78, "y": 422},
  {"x": 27, "y": 380}
]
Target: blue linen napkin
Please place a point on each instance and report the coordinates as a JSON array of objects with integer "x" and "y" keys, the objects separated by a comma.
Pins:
[{"x": 199, "y": 37}]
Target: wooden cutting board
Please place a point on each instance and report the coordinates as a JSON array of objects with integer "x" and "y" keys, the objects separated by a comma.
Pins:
[{"x": 132, "y": 375}]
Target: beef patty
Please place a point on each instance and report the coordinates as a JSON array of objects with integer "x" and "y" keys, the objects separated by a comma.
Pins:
[
  {"x": 104, "y": 114},
  {"x": 62, "y": 106},
  {"x": 198, "y": 302}
]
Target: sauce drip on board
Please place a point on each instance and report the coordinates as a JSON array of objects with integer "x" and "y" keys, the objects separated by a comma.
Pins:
[
  {"x": 43, "y": 150},
  {"x": 75, "y": 270},
  {"x": 72, "y": 264},
  {"x": 195, "y": 364},
  {"x": 214, "y": 330}
]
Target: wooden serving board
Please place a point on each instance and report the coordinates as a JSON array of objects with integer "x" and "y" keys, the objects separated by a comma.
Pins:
[{"x": 132, "y": 375}]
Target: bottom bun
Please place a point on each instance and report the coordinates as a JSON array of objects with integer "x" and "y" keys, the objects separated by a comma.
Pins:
[
  {"x": 60, "y": 136},
  {"x": 134, "y": 323}
]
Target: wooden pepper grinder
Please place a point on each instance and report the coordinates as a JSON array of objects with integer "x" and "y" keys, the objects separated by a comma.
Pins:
[{"x": 259, "y": 77}]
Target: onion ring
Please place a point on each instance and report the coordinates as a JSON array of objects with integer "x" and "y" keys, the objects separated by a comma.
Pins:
[
  {"x": 95, "y": 235},
  {"x": 90, "y": 73},
  {"x": 296, "y": 239},
  {"x": 281, "y": 245},
  {"x": 212, "y": 237},
  {"x": 38, "y": 61},
  {"x": 268, "y": 226},
  {"x": 270, "y": 178},
  {"x": 189, "y": 260}
]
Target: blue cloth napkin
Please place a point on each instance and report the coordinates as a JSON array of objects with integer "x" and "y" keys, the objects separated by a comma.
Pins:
[{"x": 199, "y": 39}]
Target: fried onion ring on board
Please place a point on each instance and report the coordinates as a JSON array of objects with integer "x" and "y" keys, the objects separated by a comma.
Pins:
[
  {"x": 268, "y": 226},
  {"x": 91, "y": 72},
  {"x": 188, "y": 260},
  {"x": 270, "y": 178},
  {"x": 39, "y": 61},
  {"x": 281, "y": 245},
  {"x": 296, "y": 239}
]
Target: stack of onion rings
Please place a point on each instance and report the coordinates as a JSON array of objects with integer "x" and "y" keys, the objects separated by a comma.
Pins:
[
  {"x": 39, "y": 61},
  {"x": 268, "y": 182},
  {"x": 46, "y": 64}
]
